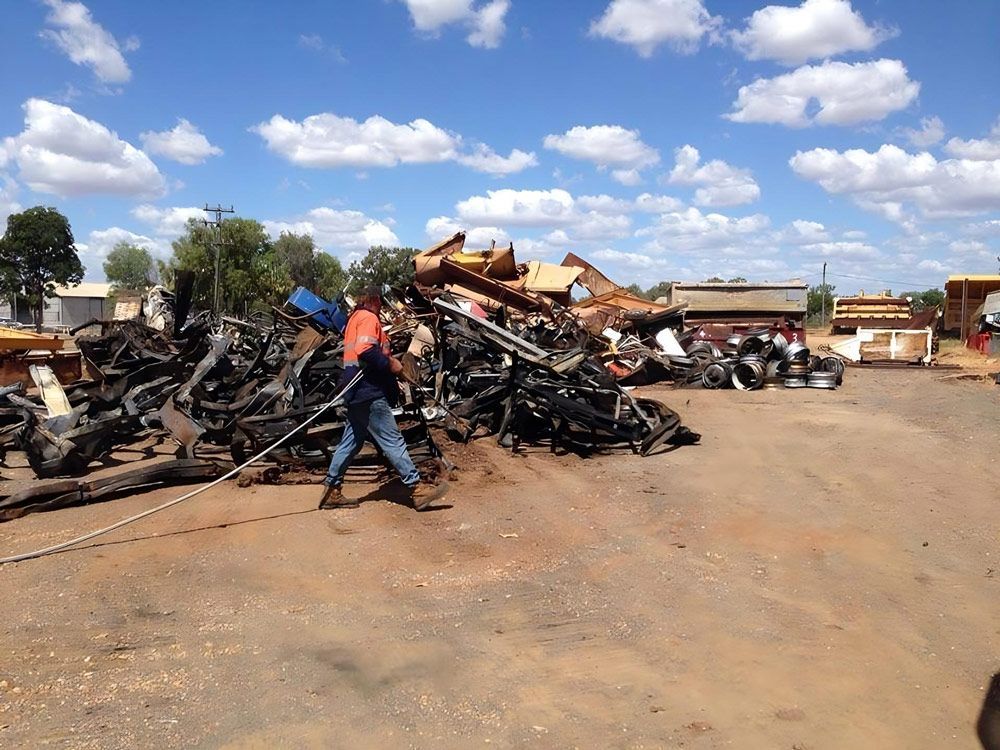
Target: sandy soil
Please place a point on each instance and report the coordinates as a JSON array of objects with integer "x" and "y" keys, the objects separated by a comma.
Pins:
[{"x": 823, "y": 571}]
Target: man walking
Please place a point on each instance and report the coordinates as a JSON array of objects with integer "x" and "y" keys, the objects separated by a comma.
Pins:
[{"x": 369, "y": 406}]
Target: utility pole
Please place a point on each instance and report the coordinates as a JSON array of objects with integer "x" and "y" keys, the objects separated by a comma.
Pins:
[
  {"x": 219, "y": 242},
  {"x": 822, "y": 319}
]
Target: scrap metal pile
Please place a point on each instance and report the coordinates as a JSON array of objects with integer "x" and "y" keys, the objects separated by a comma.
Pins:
[{"x": 490, "y": 347}]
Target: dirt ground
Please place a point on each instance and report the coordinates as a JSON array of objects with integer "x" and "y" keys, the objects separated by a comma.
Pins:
[{"x": 823, "y": 571}]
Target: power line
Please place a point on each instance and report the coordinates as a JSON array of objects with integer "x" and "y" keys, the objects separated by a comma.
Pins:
[{"x": 912, "y": 284}]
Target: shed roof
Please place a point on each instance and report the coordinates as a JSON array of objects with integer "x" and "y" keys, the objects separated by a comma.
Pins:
[{"x": 94, "y": 289}]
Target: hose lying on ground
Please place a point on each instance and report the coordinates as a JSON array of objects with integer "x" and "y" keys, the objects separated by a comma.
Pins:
[{"x": 131, "y": 519}]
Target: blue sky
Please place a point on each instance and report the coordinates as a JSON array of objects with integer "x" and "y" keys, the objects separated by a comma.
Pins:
[{"x": 662, "y": 139}]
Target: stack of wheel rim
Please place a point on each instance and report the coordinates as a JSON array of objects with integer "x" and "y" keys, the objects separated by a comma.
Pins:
[{"x": 759, "y": 359}]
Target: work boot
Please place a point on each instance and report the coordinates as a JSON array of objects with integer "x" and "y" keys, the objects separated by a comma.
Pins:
[
  {"x": 423, "y": 494},
  {"x": 332, "y": 498}
]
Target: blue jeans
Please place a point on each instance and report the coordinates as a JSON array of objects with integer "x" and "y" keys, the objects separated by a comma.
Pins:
[{"x": 372, "y": 418}]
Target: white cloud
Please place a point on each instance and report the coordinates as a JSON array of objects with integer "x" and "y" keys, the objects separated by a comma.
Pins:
[
  {"x": 843, "y": 250},
  {"x": 689, "y": 229},
  {"x": 847, "y": 94},
  {"x": 657, "y": 204},
  {"x": 605, "y": 146},
  {"x": 604, "y": 204},
  {"x": 931, "y": 131},
  {"x": 721, "y": 184},
  {"x": 891, "y": 178},
  {"x": 486, "y": 23},
  {"x": 816, "y": 29},
  {"x": 486, "y": 160},
  {"x": 973, "y": 250},
  {"x": 64, "y": 153},
  {"x": 183, "y": 143},
  {"x": 327, "y": 140},
  {"x": 929, "y": 264},
  {"x": 101, "y": 241},
  {"x": 989, "y": 228},
  {"x": 167, "y": 222},
  {"x": 984, "y": 149},
  {"x": 588, "y": 218},
  {"x": 441, "y": 227},
  {"x": 8, "y": 196},
  {"x": 645, "y": 24},
  {"x": 86, "y": 42},
  {"x": 627, "y": 177},
  {"x": 639, "y": 261},
  {"x": 523, "y": 208},
  {"x": 333, "y": 230},
  {"x": 803, "y": 232}
]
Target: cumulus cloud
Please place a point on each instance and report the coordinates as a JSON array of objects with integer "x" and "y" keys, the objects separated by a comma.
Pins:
[
  {"x": 931, "y": 131},
  {"x": 486, "y": 160},
  {"x": 970, "y": 247},
  {"x": 485, "y": 23},
  {"x": 890, "y": 179},
  {"x": 605, "y": 146},
  {"x": 8, "y": 196},
  {"x": 168, "y": 222},
  {"x": 101, "y": 241},
  {"x": 843, "y": 250},
  {"x": 627, "y": 177},
  {"x": 929, "y": 264},
  {"x": 803, "y": 232},
  {"x": 85, "y": 42},
  {"x": 334, "y": 230},
  {"x": 846, "y": 93},
  {"x": 583, "y": 219},
  {"x": 989, "y": 228},
  {"x": 441, "y": 227},
  {"x": 657, "y": 204},
  {"x": 326, "y": 140},
  {"x": 983, "y": 149},
  {"x": 522, "y": 208},
  {"x": 66, "y": 154},
  {"x": 183, "y": 143},
  {"x": 816, "y": 29},
  {"x": 690, "y": 229},
  {"x": 646, "y": 24},
  {"x": 720, "y": 184}
]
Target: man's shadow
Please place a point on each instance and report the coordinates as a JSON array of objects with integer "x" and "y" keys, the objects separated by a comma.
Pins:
[{"x": 988, "y": 726}]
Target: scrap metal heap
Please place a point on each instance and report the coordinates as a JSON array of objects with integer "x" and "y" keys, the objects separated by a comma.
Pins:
[{"x": 490, "y": 347}]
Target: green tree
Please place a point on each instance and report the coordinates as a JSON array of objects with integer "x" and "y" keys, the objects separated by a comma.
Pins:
[
  {"x": 298, "y": 253},
  {"x": 658, "y": 290},
  {"x": 715, "y": 280},
  {"x": 392, "y": 266},
  {"x": 129, "y": 268},
  {"x": 815, "y": 297},
  {"x": 331, "y": 279},
  {"x": 37, "y": 252},
  {"x": 250, "y": 273},
  {"x": 925, "y": 299},
  {"x": 636, "y": 290},
  {"x": 737, "y": 280}
]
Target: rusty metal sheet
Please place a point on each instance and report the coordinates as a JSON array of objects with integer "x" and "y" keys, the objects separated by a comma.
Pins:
[{"x": 592, "y": 280}]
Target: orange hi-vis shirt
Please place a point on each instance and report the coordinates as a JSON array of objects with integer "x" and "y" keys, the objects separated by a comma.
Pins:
[
  {"x": 366, "y": 348},
  {"x": 363, "y": 331}
]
